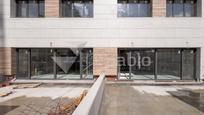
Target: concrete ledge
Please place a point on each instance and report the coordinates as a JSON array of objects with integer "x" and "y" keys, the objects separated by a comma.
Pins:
[
  {"x": 69, "y": 82},
  {"x": 90, "y": 105},
  {"x": 140, "y": 82}
]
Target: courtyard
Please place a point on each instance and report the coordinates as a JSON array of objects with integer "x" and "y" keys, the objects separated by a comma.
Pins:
[{"x": 152, "y": 100}]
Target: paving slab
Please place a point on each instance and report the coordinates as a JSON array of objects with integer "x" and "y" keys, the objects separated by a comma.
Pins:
[
  {"x": 150, "y": 100},
  {"x": 37, "y": 101}
]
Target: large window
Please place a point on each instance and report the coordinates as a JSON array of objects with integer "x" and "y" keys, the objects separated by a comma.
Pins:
[
  {"x": 157, "y": 64},
  {"x": 42, "y": 64},
  {"x": 23, "y": 63},
  {"x": 188, "y": 70},
  {"x": 77, "y": 8},
  {"x": 45, "y": 63},
  {"x": 182, "y": 8},
  {"x": 30, "y": 8},
  {"x": 134, "y": 8},
  {"x": 136, "y": 64},
  {"x": 68, "y": 63},
  {"x": 169, "y": 64}
]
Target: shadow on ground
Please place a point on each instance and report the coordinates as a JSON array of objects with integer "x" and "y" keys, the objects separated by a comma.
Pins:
[
  {"x": 193, "y": 98},
  {"x": 5, "y": 109}
]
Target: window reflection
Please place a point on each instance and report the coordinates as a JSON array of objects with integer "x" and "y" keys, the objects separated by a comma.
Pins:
[
  {"x": 41, "y": 8},
  {"x": 76, "y": 8},
  {"x": 33, "y": 8},
  {"x": 21, "y": 8},
  {"x": 42, "y": 64},
  {"x": 66, "y": 63},
  {"x": 122, "y": 9},
  {"x": 30, "y": 8},
  {"x": 134, "y": 8},
  {"x": 169, "y": 63},
  {"x": 181, "y": 8},
  {"x": 23, "y": 64},
  {"x": 188, "y": 64}
]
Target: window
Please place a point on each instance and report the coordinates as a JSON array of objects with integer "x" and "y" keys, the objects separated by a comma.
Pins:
[
  {"x": 134, "y": 8},
  {"x": 77, "y": 8},
  {"x": 168, "y": 64},
  {"x": 30, "y": 8},
  {"x": 66, "y": 63},
  {"x": 181, "y": 8},
  {"x": 22, "y": 63},
  {"x": 157, "y": 64},
  {"x": 41, "y": 63}
]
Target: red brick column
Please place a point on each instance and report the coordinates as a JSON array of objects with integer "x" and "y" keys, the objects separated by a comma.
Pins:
[
  {"x": 105, "y": 61},
  {"x": 158, "y": 8},
  {"x": 7, "y": 61},
  {"x": 52, "y": 8}
]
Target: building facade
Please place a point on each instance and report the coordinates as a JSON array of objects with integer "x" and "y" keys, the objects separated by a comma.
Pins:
[{"x": 80, "y": 39}]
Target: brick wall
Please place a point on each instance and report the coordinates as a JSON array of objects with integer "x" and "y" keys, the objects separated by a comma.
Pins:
[
  {"x": 52, "y": 8},
  {"x": 158, "y": 8},
  {"x": 105, "y": 61},
  {"x": 7, "y": 61}
]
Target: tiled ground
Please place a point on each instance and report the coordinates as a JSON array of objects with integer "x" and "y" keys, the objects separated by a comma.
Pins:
[{"x": 37, "y": 101}]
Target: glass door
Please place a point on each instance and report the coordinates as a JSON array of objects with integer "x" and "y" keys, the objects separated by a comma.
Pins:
[
  {"x": 142, "y": 64},
  {"x": 123, "y": 64},
  {"x": 68, "y": 63},
  {"x": 87, "y": 64},
  {"x": 23, "y": 64},
  {"x": 188, "y": 64}
]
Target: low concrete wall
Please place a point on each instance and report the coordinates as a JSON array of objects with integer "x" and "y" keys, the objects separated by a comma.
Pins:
[{"x": 91, "y": 103}]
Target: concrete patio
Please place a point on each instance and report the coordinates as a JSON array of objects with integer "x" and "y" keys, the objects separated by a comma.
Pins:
[{"x": 152, "y": 100}]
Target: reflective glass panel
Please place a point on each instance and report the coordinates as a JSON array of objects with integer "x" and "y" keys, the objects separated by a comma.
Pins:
[
  {"x": 178, "y": 10},
  {"x": 21, "y": 8},
  {"x": 78, "y": 9},
  {"x": 189, "y": 9},
  {"x": 188, "y": 64},
  {"x": 88, "y": 9},
  {"x": 23, "y": 64},
  {"x": 87, "y": 63},
  {"x": 122, "y": 10},
  {"x": 42, "y": 64},
  {"x": 123, "y": 64},
  {"x": 68, "y": 63},
  {"x": 168, "y": 64},
  {"x": 169, "y": 9},
  {"x": 41, "y": 8},
  {"x": 142, "y": 64},
  {"x": 33, "y": 8},
  {"x": 144, "y": 10},
  {"x": 133, "y": 10},
  {"x": 67, "y": 8}
]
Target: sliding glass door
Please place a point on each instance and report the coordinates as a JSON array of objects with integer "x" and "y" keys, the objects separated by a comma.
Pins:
[
  {"x": 87, "y": 64},
  {"x": 47, "y": 63},
  {"x": 23, "y": 63},
  {"x": 123, "y": 64},
  {"x": 169, "y": 64},
  {"x": 42, "y": 64},
  {"x": 188, "y": 64},
  {"x": 142, "y": 64},
  {"x": 136, "y": 64},
  {"x": 68, "y": 64},
  {"x": 156, "y": 64}
]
